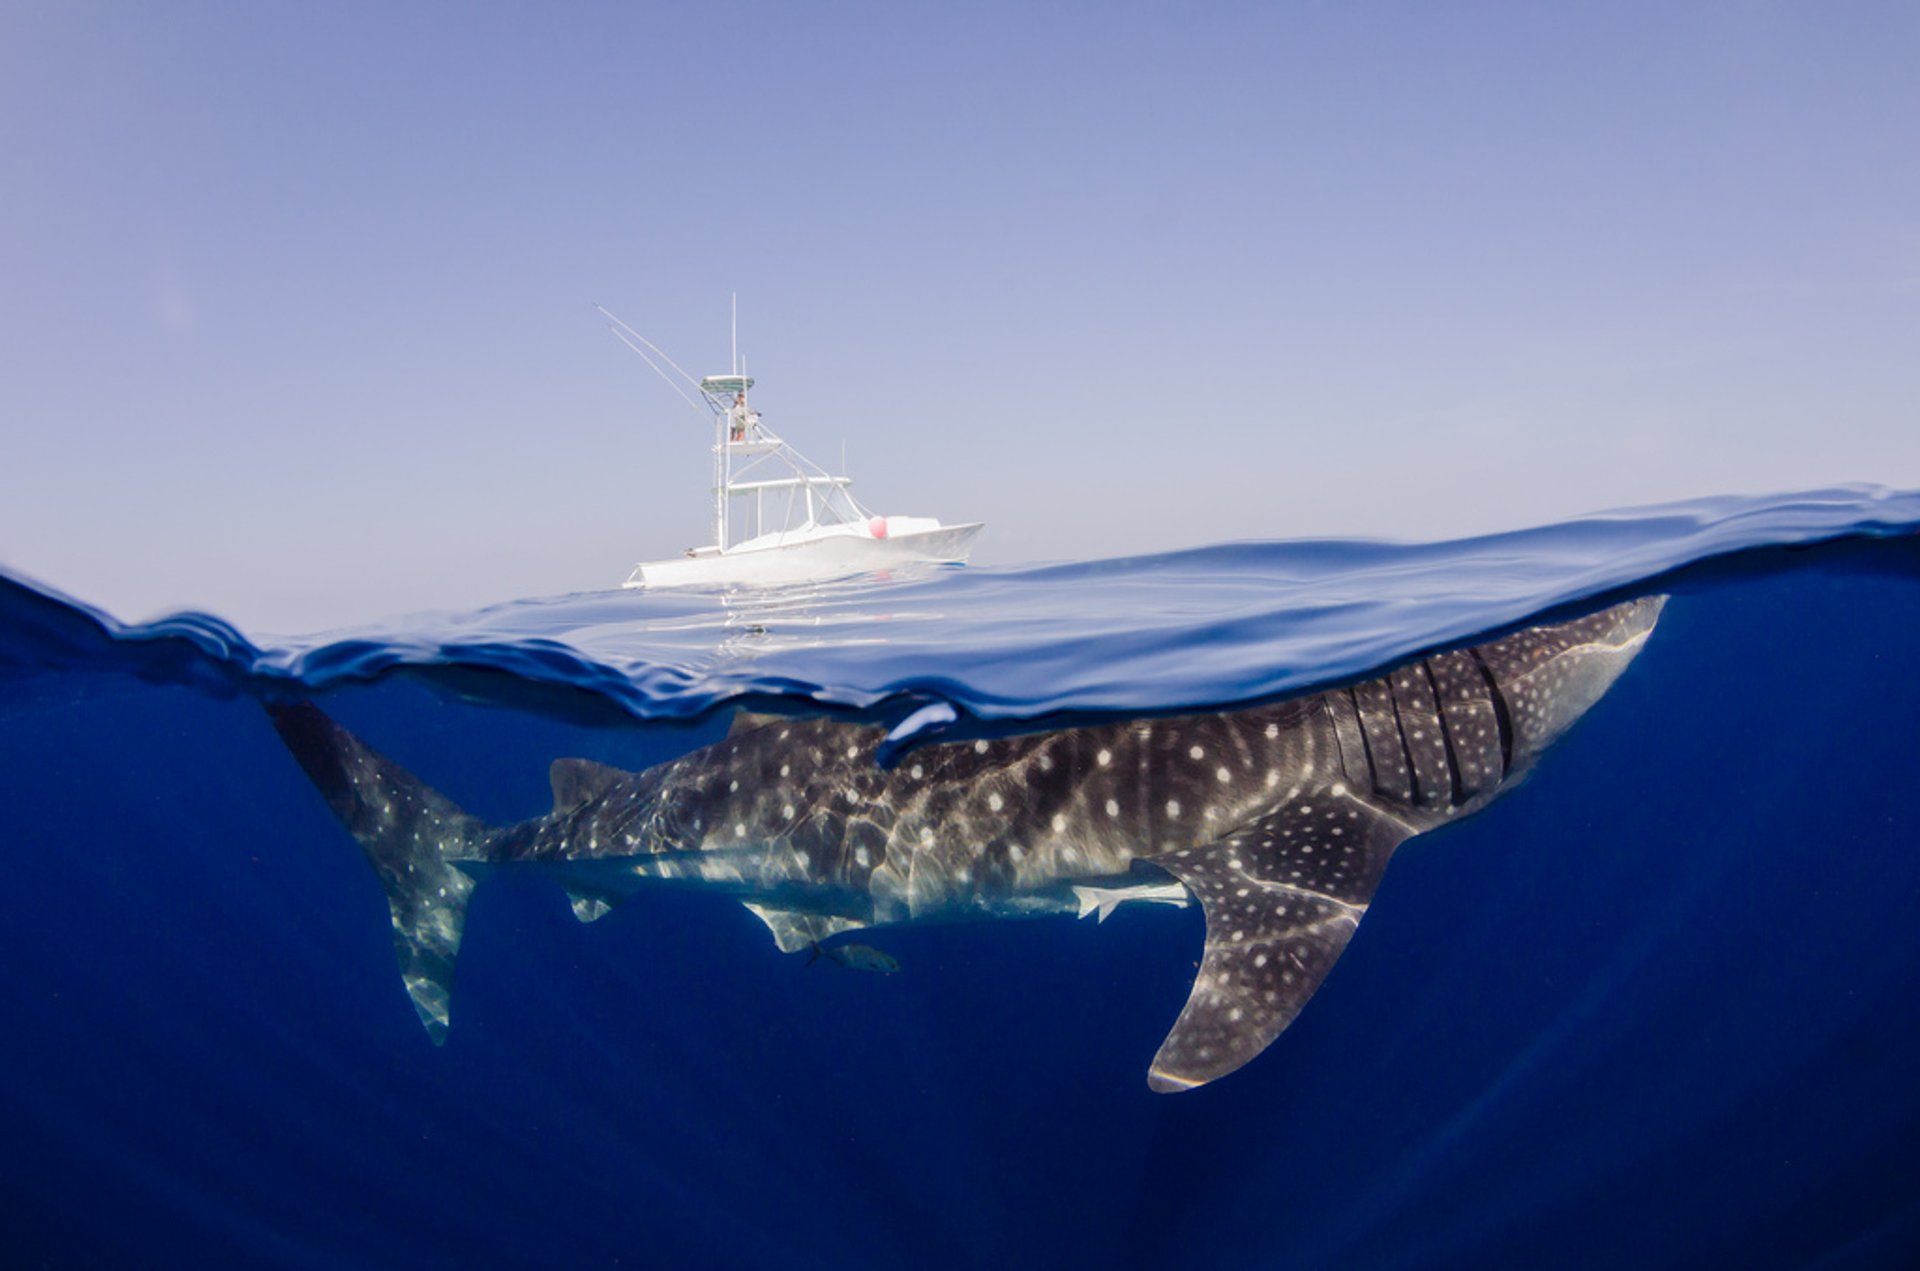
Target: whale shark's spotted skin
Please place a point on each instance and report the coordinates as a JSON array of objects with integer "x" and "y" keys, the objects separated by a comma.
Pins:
[{"x": 1278, "y": 820}]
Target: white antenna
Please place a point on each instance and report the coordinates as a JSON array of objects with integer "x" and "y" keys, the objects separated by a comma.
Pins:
[
  {"x": 621, "y": 332},
  {"x": 736, "y": 333}
]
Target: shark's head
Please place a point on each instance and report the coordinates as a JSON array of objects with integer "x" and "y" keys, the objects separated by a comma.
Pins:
[{"x": 1550, "y": 676}]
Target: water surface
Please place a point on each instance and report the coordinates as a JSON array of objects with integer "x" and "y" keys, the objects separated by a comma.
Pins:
[{"x": 1661, "y": 1005}]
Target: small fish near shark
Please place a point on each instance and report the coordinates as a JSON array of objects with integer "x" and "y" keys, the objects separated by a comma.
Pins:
[
  {"x": 1277, "y": 820},
  {"x": 856, "y": 957}
]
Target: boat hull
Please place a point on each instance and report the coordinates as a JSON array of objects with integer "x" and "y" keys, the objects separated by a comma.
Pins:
[{"x": 811, "y": 559}]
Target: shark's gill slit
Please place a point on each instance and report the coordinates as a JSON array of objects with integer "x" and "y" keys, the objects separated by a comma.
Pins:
[
  {"x": 1457, "y": 791},
  {"x": 1502, "y": 718},
  {"x": 1406, "y": 747},
  {"x": 1366, "y": 745}
]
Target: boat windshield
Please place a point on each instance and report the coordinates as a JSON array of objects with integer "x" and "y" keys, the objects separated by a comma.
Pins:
[
  {"x": 789, "y": 507},
  {"x": 834, "y": 506}
]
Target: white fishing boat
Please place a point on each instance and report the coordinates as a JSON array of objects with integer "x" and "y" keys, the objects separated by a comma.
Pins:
[{"x": 778, "y": 517}]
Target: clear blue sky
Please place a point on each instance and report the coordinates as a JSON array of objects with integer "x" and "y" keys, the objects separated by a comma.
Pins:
[{"x": 296, "y": 300}]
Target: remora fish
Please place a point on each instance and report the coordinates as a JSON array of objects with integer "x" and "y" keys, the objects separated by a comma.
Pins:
[
  {"x": 856, "y": 957},
  {"x": 1279, "y": 820}
]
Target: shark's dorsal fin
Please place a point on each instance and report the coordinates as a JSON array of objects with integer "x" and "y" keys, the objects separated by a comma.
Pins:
[
  {"x": 746, "y": 721},
  {"x": 575, "y": 781},
  {"x": 1281, "y": 896}
]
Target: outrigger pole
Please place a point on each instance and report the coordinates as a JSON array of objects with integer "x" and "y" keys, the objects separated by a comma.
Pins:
[{"x": 628, "y": 336}]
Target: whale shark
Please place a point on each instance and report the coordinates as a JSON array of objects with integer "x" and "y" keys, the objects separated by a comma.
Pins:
[{"x": 1276, "y": 820}]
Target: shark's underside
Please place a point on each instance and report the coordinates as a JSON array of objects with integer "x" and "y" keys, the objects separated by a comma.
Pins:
[{"x": 1278, "y": 820}]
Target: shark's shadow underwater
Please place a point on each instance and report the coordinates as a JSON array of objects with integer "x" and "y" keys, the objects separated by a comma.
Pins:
[{"x": 1279, "y": 820}]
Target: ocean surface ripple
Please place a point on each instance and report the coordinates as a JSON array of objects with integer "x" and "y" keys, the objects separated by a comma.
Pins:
[{"x": 1208, "y": 627}]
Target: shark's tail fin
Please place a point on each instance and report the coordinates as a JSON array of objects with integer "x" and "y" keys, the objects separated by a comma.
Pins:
[{"x": 411, "y": 835}]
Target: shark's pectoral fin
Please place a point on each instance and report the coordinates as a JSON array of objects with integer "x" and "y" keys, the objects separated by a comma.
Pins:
[
  {"x": 794, "y": 930},
  {"x": 1102, "y": 901},
  {"x": 588, "y": 907},
  {"x": 1281, "y": 897},
  {"x": 577, "y": 781}
]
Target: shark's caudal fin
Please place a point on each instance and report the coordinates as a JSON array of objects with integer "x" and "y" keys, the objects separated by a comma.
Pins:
[{"x": 411, "y": 836}]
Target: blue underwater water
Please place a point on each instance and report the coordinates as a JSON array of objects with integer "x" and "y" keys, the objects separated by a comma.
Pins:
[{"x": 1659, "y": 1006}]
